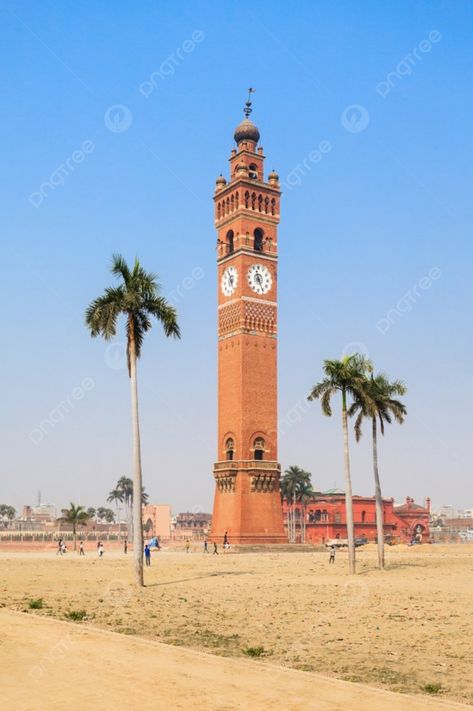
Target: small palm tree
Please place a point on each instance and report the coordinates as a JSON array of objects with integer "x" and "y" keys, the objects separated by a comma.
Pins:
[
  {"x": 76, "y": 516},
  {"x": 294, "y": 477},
  {"x": 305, "y": 495},
  {"x": 138, "y": 299},
  {"x": 125, "y": 485},
  {"x": 347, "y": 377},
  {"x": 116, "y": 497},
  {"x": 382, "y": 406}
]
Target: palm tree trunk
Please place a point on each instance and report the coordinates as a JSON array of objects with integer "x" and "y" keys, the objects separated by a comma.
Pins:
[
  {"x": 379, "y": 500},
  {"x": 74, "y": 535},
  {"x": 294, "y": 516},
  {"x": 137, "y": 475},
  {"x": 348, "y": 490}
]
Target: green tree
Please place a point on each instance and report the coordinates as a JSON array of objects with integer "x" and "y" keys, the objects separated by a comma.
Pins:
[
  {"x": 109, "y": 516},
  {"x": 293, "y": 479},
  {"x": 347, "y": 377},
  {"x": 91, "y": 512},
  {"x": 7, "y": 514},
  {"x": 138, "y": 299},
  {"x": 381, "y": 407},
  {"x": 102, "y": 512},
  {"x": 76, "y": 516}
]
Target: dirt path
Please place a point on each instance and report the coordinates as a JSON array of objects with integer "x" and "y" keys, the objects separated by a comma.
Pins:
[{"x": 48, "y": 664}]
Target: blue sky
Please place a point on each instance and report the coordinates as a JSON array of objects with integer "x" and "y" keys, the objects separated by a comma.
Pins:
[{"x": 385, "y": 85}]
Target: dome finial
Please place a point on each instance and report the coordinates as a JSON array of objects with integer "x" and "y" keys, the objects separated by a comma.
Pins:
[{"x": 247, "y": 110}]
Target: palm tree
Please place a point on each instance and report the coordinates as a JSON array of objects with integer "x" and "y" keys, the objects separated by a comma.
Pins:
[
  {"x": 76, "y": 516},
  {"x": 305, "y": 494},
  {"x": 125, "y": 485},
  {"x": 348, "y": 377},
  {"x": 116, "y": 497},
  {"x": 137, "y": 298},
  {"x": 294, "y": 477},
  {"x": 383, "y": 406}
]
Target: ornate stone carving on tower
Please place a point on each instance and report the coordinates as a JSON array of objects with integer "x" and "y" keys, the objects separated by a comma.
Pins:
[{"x": 247, "y": 502}]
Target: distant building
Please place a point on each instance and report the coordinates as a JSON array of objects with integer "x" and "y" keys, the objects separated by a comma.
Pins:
[
  {"x": 325, "y": 518},
  {"x": 192, "y": 525},
  {"x": 42, "y": 513},
  {"x": 157, "y": 520}
]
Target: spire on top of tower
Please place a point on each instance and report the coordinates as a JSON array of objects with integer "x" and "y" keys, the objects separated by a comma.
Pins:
[
  {"x": 247, "y": 110},
  {"x": 246, "y": 130}
]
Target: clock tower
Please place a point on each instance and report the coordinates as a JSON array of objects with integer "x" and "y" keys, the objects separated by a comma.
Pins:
[{"x": 247, "y": 503}]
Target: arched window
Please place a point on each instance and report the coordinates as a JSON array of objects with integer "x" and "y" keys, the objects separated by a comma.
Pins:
[
  {"x": 273, "y": 206},
  {"x": 230, "y": 242},
  {"x": 266, "y": 205},
  {"x": 260, "y": 203},
  {"x": 259, "y": 448},
  {"x": 247, "y": 199},
  {"x": 363, "y": 516},
  {"x": 253, "y": 171},
  {"x": 230, "y": 449},
  {"x": 258, "y": 240},
  {"x": 232, "y": 203},
  {"x": 219, "y": 211},
  {"x": 237, "y": 200}
]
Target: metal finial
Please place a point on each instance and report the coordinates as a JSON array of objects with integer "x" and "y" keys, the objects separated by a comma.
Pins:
[{"x": 247, "y": 110}]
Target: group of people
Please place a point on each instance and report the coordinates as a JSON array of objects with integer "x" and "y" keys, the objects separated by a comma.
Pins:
[{"x": 62, "y": 548}]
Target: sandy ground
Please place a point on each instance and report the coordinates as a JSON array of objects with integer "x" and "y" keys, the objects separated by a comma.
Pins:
[
  {"x": 58, "y": 663},
  {"x": 408, "y": 629}
]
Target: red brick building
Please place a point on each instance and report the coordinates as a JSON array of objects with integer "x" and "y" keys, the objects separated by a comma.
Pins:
[
  {"x": 247, "y": 503},
  {"x": 325, "y": 519}
]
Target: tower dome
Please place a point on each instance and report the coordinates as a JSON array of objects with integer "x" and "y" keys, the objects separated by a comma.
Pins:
[{"x": 246, "y": 131}]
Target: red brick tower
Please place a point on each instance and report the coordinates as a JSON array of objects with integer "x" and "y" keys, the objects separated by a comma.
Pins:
[{"x": 247, "y": 502}]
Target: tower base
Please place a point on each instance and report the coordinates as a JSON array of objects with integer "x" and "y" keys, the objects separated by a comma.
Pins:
[{"x": 247, "y": 505}]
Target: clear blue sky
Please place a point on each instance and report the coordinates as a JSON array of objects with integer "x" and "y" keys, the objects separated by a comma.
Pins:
[{"x": 363, "y": 227}]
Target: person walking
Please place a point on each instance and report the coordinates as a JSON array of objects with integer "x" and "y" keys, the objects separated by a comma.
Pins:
[
  {"x": 225, "y": 539},
  {"x": 81, "y": 548},
  {"x": 59, "y": 547},
  {"x": 101, "y": 550},
  {"x": 188, "y": 546},
  {"x": 206, "y": 546},
  {"x": 332, "y": 555},
  {"x": 125, "y": 547},
  {"x": 215, "y": 549},
  {"x": 147, "y": 554}
]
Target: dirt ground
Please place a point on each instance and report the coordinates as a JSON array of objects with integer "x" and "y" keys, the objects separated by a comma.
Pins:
[{"x": 408, "y": 629}]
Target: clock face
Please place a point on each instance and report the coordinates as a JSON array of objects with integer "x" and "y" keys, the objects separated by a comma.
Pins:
[
  {"x": 259, "y": 278},
  {"x": 229, "y": 280}
]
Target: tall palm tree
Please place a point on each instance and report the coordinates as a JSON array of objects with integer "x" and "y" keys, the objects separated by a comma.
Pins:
[
  {"x": 347, "y": 377},
  {"x": 138, "y": 299},
  {"x": 76, "y": 516},
  {"x": 294, "y": 477},
  {"x": 382, "y": 407}
]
